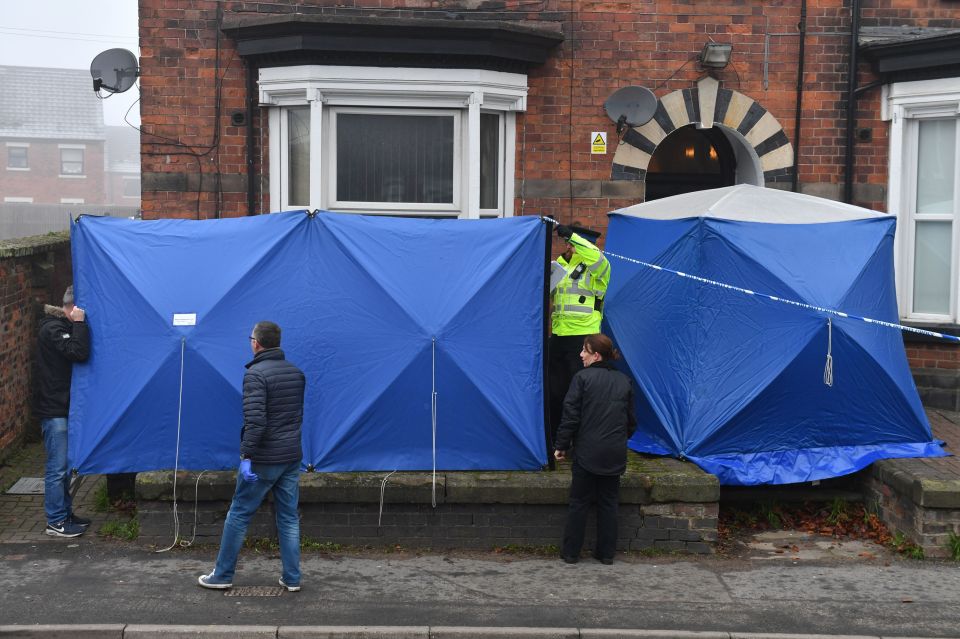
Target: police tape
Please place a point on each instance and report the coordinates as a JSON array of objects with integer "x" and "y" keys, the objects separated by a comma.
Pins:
[{"x": 774, "y": 298}]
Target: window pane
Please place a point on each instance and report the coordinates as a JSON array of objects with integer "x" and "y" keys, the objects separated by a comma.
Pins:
[
  {"x": 131, "y": 187},
  {"x": 395, "y": 158},
  {"x": 71, "y": 161},
  {"x": 489, "y": 160},
  {"x": 931, "y": 274},
  {"x": 935, "y": 166},
  {"x": 17, "y": 157},
  {"x": 298, "y": 156}
]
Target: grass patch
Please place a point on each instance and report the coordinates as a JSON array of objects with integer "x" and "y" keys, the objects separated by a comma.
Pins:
[
  {"x": 953, "y": 545},
  {"x": 127, "y": 530},
  {"x": 550, "y": 550},
  {"x": 308, "y": 543},
  {"x": 101, "y": 500}
]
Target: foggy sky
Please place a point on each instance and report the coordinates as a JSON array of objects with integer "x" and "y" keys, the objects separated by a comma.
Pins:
[{"x": 68, "y": 34}]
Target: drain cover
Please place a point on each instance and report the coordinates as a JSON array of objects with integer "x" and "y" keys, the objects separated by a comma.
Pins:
[
  {"x": 27, "y": 486},
  {"x": 253, "y": 591}
]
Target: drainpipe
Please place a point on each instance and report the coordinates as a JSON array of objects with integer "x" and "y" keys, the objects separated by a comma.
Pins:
[
  {"x": 252, "y": 100},
  {"x": 796, "y": 123},
  {"x": 851, "y": 101}
]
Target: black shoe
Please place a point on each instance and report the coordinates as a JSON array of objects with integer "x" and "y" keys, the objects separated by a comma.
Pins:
[
  {"x": 606, "y": 561},
  {"x": 570, "y": 560},
  {"x": 83, "y": 522},
  {"x": 64, "y": 528}
]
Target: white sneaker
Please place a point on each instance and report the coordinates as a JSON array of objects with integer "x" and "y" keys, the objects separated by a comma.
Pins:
[{"x": 290, "y": 588}]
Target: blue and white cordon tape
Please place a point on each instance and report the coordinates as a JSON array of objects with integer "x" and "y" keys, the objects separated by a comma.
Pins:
[{"x": 746, "y": 291}]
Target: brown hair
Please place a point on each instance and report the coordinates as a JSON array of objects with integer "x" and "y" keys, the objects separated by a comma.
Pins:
[{"x": 601, "y": 345}]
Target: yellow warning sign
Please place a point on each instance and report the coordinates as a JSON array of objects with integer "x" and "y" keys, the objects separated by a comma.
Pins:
[{"x": 598, "y": 142}]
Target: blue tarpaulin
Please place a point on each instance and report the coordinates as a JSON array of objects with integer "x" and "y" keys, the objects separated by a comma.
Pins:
[
  {"x": 392, "y": 320},
  {"x": 735, "y": 382}
]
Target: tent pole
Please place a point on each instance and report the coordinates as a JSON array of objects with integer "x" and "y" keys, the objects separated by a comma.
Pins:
[{"x": 547, "y": 250}]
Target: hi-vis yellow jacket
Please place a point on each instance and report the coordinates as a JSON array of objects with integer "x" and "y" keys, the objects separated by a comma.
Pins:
[{"x": 578, "y": 298}]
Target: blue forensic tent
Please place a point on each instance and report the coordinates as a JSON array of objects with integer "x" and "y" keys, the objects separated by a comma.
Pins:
[
  {"x": 735, "y": 382},
  {"x": 380, "y": 313}
]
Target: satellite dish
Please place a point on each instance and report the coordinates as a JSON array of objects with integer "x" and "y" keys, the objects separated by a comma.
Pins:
[
  {"x": 114, "y": 70},
  {"x": 631, "y": 106}
]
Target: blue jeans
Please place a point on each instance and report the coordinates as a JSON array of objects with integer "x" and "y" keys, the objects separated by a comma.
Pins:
[
  {"x": 283, "y": 480},
  {"x": 57, "y": 502}
]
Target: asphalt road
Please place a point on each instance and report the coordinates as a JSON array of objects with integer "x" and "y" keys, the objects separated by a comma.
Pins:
[{"x": 86, "y": 581}]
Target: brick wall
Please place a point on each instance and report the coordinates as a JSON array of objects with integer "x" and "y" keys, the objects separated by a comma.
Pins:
[
  {"x": 608, "y": 45},
  {"x": 670, "y": 512},
  {"x": 43, "y": 181},
  {"x": 32, "y": 271}
]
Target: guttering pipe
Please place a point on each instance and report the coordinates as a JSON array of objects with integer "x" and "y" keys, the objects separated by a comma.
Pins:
[
  {"x": 796, "y": 122},
  {"x": 251, "y": 107},
  {"x": 851, "y": 101}
]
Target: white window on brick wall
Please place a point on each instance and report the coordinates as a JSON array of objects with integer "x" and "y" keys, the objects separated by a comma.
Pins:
[
  {"x": 131, "y": 187},
  {"x": 925, "y": 196},
  {"x": 436, "y": 142},
  {"x": 71, "y": 160},
  {"x": 18, "y": 157}
]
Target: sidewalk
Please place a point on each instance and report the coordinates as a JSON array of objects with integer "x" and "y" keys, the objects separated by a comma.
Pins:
[{"x": 128, "y": 590}]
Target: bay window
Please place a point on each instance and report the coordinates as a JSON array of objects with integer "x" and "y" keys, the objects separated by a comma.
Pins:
[
  {"x": 925, "y": 196},
  {"x": 397, "y": 141}
]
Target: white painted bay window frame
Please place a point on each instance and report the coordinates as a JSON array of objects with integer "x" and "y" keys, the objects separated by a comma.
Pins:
[
  {"x": 906, "y": 105},
  {"x": 329, "y": 90}
]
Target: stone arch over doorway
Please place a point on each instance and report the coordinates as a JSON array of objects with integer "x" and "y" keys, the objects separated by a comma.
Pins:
[{"x": 764, "y": 155}]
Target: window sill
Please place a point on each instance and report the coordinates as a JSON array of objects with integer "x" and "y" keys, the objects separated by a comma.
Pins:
[
  {"x": 74, "y": 177},
  {"x": 18, "y": 168}
]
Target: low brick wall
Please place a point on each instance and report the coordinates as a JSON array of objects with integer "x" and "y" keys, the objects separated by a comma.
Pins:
[
  {"x": 913, "y": 499},
  {"x": 666, "y": 505},
  {"x": 33, "y": 271}
]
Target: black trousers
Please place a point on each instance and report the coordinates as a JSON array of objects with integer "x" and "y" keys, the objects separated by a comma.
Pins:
[
  {"x": 564, "y": 363},
  {"x": 585, "y": 488}
]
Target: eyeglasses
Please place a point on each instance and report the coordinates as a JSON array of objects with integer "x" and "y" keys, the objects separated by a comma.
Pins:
[{"x": 253, "y": 338}]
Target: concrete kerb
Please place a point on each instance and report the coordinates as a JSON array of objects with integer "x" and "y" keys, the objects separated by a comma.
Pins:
[{"x": 142, "y": 631}]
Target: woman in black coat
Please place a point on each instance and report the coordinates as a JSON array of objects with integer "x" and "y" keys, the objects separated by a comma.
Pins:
[{"x": 598, "y": 419}]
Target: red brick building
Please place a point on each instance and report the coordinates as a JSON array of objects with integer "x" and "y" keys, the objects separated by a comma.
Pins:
[
  {"x": 51, "y": 137},
  {"x": 476, "y": 108}
]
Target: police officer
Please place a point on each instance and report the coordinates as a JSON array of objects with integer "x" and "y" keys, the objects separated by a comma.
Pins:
[{"x": 577, "y": 310}]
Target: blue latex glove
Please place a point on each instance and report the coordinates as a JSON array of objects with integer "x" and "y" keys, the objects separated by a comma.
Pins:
[{"x": 245, "y": 471}]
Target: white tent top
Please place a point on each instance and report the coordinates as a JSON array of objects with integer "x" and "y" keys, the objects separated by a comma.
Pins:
[{"x": 747, "y": 203}]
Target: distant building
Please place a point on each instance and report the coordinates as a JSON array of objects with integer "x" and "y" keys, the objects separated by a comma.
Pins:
[
  {"x": 51, "y": 137},
  {"x": 123, "y": 166}
]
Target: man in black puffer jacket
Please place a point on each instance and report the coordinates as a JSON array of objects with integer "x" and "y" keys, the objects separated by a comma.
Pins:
[{"x": 270, "y": 455}]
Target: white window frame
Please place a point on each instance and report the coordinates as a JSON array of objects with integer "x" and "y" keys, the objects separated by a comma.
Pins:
[
  {"x": 412, "y": 207},
  {"x": 123, "y": 187},
  {"x": 19, "y": 145},
  {"x": 331, "y": 89},
  {"x": 83, "y": 172},
  {"x": 71, "y": 200},
  {"x": 18, "y": 200},
  {"x": 905, "y": 104}
]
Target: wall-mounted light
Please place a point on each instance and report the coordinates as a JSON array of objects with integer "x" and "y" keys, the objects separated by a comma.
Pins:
[
  {"x": 689, "y": 152},
  {"x": 715, "y": 55},
  {"x": 713, "y": 153}
]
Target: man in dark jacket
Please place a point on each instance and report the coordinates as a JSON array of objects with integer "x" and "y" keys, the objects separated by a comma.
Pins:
[
  {"x": 62, "y": 340},
  {"x": 270, "y": 455}
]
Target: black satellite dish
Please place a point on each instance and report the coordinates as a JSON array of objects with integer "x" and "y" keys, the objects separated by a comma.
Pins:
[
  {"x": 631, "y": 106},
  {"x": 114, "y": 70}
]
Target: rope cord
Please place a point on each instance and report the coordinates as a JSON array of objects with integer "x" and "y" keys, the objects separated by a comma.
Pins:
[
  {"x": 773, "y": 298},
  {"x": 176, "y": 458},
  {"x": 828, "y": 367},
  {"x": 433, "y": 419},
  {"x": 383, "y": 488}
]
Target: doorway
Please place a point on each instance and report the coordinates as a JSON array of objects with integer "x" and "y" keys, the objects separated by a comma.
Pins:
[{"x": 692, "y": 159}]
